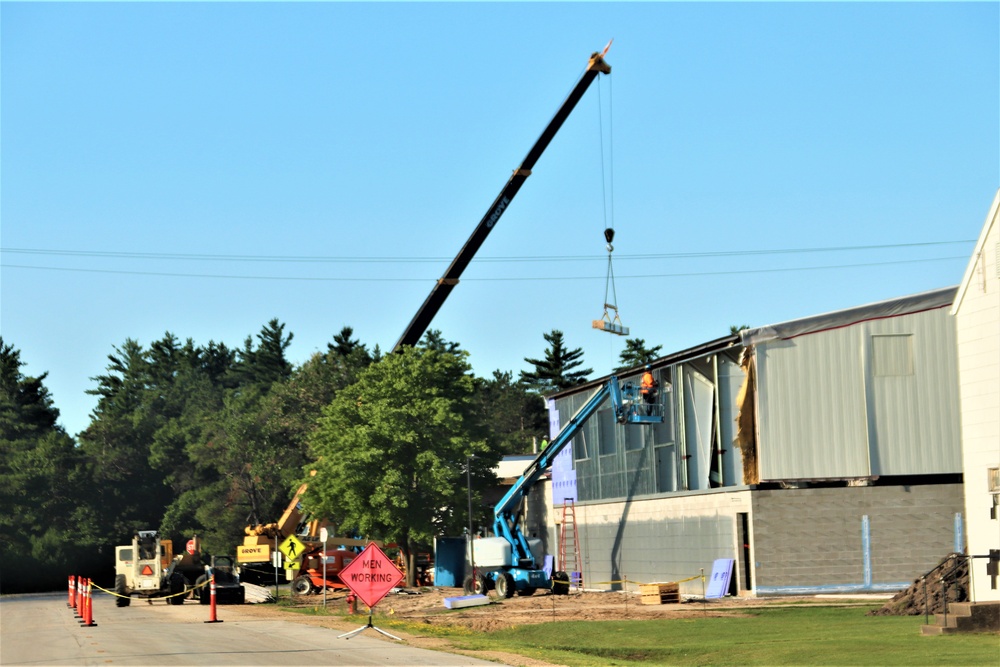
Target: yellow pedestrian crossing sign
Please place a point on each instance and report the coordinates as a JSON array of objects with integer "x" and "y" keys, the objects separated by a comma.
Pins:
[{"x": 292, "y": 547}]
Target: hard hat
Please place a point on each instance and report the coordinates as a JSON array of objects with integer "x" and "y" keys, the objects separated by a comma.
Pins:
[{"x": 649, "y": 367}]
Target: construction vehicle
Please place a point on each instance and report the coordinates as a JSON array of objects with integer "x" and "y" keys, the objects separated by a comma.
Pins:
[
  {"x": 256, "y": 555},
  {"x": 510, "y": 562},
  {"x": 147, "y": 568},
  {"x": 311, "y": 569},
  {"x": 263, "y": 540},
  {"x": 228, "y": 589},
  {"x": 418, "y": 325}
]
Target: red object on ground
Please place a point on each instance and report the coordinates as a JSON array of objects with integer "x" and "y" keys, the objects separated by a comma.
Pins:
[
  {"x": 371, "y": 575},
  {"x": 84, "y": 608},
  {"x": 90, "y": 604},
  {"x": 72, "y": 592},
  {"x": 78, "y": 594},
  {"x": 211, "y": 614},
  {"x": 350, "y": 603},
  {"x": 336, "y": 560}
]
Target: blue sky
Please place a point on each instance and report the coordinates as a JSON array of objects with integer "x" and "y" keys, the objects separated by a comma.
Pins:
[{"x": 156, "y": 154}]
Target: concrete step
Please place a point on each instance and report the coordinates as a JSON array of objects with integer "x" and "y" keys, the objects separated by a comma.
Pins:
[
  {"x": 949, "y": 621},
  {"x": 966, "y": 617}
]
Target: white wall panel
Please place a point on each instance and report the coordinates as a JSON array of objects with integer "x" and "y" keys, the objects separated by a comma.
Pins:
[{"x": 811, "y": 407}]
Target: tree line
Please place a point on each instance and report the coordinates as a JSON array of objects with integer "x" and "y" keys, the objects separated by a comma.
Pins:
[{"x": 203, "y": 439}]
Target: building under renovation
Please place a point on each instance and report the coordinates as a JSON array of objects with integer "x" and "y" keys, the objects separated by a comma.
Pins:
[{"x": 821, "y": 455}]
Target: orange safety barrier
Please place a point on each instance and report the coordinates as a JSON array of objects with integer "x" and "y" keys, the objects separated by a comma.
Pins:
[
  {"x": 212, "y": 617},
  {"x": 78, "y": 595}
]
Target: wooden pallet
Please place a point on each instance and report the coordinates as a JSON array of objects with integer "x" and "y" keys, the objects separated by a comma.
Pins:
[{"x": 666, "y": 593}]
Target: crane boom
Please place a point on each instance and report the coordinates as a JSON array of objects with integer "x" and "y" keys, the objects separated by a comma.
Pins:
[{"x": 442, "y": 288}]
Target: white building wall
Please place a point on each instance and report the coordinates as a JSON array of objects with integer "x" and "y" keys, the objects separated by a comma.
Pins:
[{"x": 977, "y": 321}]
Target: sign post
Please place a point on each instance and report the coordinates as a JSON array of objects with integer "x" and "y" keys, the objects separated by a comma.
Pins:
[
  {"x": 370, "y": 576},
  {"x": 324, "y": 534}
]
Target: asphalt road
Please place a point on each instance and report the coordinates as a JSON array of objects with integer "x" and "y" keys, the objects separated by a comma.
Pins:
[{"x": 41, "y": 630}]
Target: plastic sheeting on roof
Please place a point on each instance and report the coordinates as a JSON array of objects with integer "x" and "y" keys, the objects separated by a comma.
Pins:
[{"x": 904, "y": 305}]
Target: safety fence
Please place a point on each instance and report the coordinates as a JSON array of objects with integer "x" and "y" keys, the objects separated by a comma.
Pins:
[{"x": 80, "y": 598}]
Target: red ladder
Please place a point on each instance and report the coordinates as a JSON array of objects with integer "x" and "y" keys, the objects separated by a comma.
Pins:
[{"x": 569, "y": 549}]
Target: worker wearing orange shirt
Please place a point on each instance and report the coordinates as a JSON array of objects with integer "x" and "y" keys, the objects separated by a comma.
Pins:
[{"x": 648, "y": 388}]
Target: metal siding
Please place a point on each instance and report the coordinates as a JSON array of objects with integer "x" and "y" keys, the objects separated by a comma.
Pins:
[
  {"x": 811, "y": 408},
  {"x": 730, "y": 379},
  {"x": 914, "y": 423},
  {"x": 698, "y": 394}
]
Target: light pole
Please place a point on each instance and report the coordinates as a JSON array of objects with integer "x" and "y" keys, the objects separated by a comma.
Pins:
[{"x": 472, "y": 554}]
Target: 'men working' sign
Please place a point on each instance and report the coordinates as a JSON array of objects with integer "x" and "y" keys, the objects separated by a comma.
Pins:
[{"x": 371, "y": 575}]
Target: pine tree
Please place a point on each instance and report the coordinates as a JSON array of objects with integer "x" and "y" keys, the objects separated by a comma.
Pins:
[
  {"x": 555, "y": 371},
  {"x": 637, "y": 354}
]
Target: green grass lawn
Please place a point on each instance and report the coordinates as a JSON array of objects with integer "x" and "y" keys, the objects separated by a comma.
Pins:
[{"x": 788, "y": 636}]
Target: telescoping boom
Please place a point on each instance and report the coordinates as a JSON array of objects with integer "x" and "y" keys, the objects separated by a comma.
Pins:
[
  {"x": 507, "y": 562},
  {"x": 418, "y": 325}
]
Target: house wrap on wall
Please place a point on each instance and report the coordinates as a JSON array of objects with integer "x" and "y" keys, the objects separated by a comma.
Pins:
[{"x": 820, "y": 454}]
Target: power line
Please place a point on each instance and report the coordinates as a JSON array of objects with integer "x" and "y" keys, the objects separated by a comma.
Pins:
[
  {"x": 417, "y": 259},
  {"x": 504, "y": 279}
]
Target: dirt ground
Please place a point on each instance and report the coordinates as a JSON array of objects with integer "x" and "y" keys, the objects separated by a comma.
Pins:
[{"x": 427, "y": 606}]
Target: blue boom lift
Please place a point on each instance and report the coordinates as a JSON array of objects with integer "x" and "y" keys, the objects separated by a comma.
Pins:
[{"x": 507, "y": 562}]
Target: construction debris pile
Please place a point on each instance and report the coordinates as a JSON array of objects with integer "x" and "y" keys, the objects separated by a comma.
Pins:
[{"x": 926, "y": 595}]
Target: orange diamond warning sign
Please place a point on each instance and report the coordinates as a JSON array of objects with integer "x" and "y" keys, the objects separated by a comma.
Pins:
[{"x": 371, "y": 575}]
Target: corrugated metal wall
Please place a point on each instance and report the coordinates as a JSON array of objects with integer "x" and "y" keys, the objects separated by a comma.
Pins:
[{"x": 874, "y": 398}]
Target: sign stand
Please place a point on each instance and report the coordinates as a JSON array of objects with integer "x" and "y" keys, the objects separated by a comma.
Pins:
[
  {"x": 370, "y": 576},
  {"x": 350, "y": 634}
]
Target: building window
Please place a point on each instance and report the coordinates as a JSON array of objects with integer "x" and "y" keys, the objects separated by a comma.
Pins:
[{"x": 892, "y": 355}]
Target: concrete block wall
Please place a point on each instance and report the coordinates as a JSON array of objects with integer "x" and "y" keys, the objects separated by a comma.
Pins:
[{"x": 814, "y": 539}]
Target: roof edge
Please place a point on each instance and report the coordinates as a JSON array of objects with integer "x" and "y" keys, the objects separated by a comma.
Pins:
[
  {"x": 905, "y": 305},
  {"x": 977, "y": 253},
  {"x": 710, "y": 347}
]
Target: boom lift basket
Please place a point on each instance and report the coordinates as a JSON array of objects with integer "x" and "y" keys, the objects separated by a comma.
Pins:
[{"x": 637, "y": 409}]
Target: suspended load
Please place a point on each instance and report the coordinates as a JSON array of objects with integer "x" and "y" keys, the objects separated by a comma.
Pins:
[{"x": 609, "y": 323}]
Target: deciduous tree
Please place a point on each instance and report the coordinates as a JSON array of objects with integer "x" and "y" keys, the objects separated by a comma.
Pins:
[{"x": 391, "y": 450}]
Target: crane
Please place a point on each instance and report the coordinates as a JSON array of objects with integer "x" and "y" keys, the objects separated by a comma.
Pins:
[{"x": 442, "y": 288}]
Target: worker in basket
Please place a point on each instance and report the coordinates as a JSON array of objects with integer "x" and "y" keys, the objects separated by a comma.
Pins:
[{"x": 648, "y": 388}]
